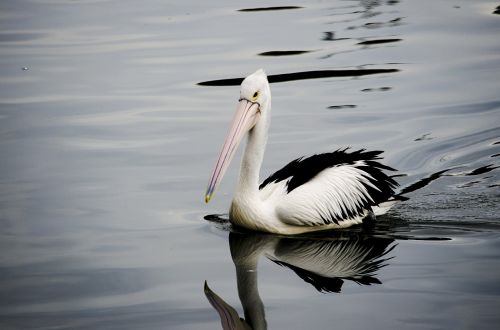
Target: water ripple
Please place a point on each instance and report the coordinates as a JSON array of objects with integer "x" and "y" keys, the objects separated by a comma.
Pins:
[{"x": 277, "y": 78}]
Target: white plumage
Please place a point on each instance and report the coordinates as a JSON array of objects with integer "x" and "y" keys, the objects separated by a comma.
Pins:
[
  {"x": 332, "y": 192},
  {"x": 325, "y": 191}
]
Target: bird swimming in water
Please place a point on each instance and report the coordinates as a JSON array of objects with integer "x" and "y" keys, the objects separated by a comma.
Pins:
[{"x": 321, "y": 192}]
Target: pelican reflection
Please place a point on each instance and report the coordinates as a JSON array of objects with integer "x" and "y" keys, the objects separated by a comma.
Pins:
[{"x": 324, "y": 262}]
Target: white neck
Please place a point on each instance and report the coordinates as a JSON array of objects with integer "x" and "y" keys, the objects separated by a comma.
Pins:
[{"x": 248, "y": 183}]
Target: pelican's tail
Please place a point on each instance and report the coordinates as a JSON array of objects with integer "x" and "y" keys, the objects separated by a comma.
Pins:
[{"x": 384, "y": 207}]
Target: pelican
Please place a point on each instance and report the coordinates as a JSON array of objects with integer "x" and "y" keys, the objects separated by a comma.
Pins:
[{"x": 324, "y": 191}]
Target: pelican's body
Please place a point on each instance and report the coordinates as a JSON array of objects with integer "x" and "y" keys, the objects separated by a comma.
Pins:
[{"x": 325, "y": 191}]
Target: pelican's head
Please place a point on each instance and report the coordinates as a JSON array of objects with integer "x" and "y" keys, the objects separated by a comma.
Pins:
[
  {"x": 255, "y": 96},
  {"x": 255, "y": 89}
]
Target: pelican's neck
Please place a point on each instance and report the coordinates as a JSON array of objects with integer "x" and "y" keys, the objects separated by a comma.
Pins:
[
  {"x": 248, "y": 183},
  {"x": 248, "y": 292},
  {"x": 246, "y": 249}
]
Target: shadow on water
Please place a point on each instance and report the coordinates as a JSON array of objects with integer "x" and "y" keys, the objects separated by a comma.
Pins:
[
  {"x": 285, "y": 52},
  {"x": 270, "y": 8},
  {"x": 330, "y": 36},
  {"x": 434, "y": 176},
  {"x": 343, "y": 106},
  {"x": 380, "y": 89},
  {"x": 277, "y": 78},
  {"x": 323, "y": 262},
  {"x": 378, "y": 41}
]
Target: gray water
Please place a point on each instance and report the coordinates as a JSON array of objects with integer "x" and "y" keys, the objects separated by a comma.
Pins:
[{"x": 107, "y": 141}]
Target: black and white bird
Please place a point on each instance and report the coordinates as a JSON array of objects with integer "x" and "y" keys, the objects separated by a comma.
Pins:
[{"x": 324, "y": 191}]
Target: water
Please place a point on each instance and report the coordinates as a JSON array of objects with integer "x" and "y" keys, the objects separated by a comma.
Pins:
[{"x": 108, "y": 139}]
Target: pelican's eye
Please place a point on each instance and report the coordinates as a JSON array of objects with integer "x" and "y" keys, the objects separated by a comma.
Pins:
[{"x": 255, "y": 96}]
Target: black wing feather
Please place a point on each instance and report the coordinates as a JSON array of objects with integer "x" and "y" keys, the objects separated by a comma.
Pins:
[
  {"x": 372, "y": 254},
  {"x": 302, "y": 170}
]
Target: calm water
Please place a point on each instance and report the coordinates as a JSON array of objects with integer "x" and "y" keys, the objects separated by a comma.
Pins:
[{"x": 107, "y": 140}]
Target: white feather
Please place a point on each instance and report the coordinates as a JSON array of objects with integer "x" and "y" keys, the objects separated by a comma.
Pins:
[{"x": 333, "y": 192}]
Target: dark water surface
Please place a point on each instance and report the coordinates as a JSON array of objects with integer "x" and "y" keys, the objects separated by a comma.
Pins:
[{"x": 111, "y": 115}]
